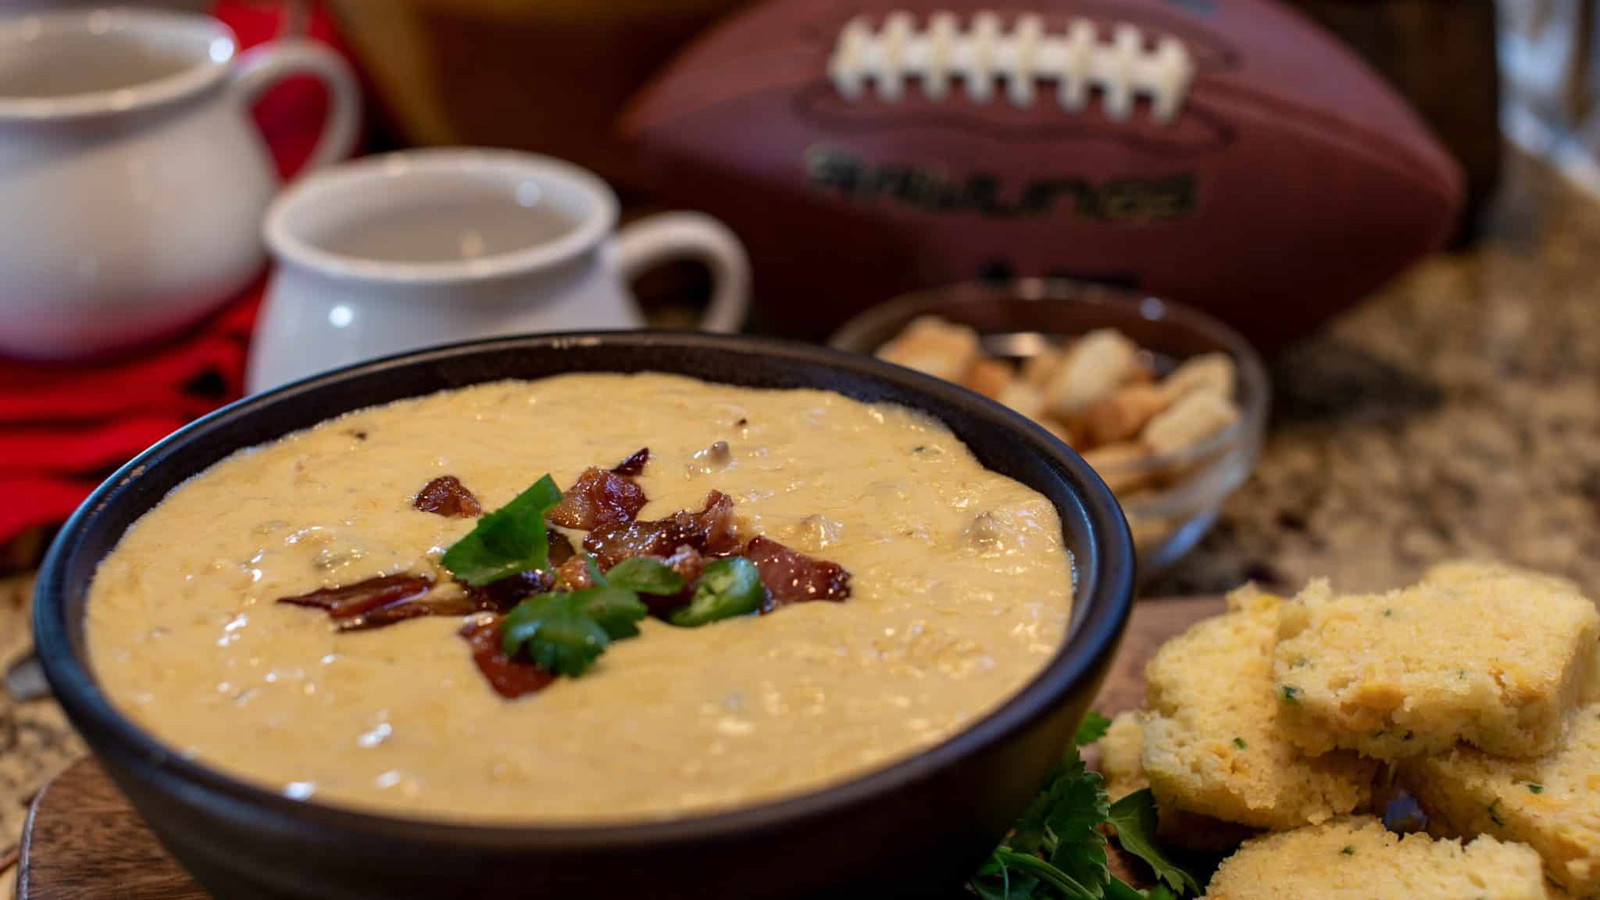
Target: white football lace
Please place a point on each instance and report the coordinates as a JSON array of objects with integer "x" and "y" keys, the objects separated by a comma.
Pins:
[{"x": 984, "y": 55}]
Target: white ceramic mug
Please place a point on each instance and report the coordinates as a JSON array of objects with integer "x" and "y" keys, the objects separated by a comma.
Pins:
[
  {"x": 132, "y": 180},
  {"x": 392, "y": 253}
]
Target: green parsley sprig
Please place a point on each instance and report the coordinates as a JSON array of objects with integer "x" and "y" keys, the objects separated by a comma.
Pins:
[{"x": 1057, "y": 850}]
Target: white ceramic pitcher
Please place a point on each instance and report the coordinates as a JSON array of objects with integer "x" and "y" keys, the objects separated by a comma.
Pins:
[
  {"x": 132, "y": 180},
  {"x": 392, "y": 253}
]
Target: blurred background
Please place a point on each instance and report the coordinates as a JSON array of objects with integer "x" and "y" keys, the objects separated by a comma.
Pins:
[{"x": 1382, "y": 212}]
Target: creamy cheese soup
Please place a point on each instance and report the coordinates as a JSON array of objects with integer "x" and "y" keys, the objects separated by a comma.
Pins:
[{"x": 960, "y": 594}]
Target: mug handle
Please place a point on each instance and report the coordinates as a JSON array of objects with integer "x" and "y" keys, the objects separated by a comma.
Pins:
[
  {"x": 679, "y": 235},
  {"x": 262, "y": 67}
]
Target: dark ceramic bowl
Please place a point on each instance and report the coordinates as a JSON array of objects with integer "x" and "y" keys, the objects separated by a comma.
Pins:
[{"x": 913, "y": 829}]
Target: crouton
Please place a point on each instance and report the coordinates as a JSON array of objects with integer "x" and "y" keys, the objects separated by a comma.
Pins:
[
  {"x": 1213, "y": 373},
  {"x": 989, "y": 377},
  {"x": 1121, "y": 416},
  {"x": 1188, "y": 421},
  {"x": 1095, "y": 365},
  {"x": 932, "y": 345}
]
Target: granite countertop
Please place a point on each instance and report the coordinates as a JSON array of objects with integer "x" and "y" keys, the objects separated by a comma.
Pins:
[{"x": 1456, "y": 413}]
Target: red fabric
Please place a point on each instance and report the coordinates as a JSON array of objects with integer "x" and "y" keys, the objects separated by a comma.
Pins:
[{"x": 65, "y": 426}]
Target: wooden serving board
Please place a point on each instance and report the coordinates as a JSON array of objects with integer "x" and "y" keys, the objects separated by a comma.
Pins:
[{"x": 83, "y": 841}]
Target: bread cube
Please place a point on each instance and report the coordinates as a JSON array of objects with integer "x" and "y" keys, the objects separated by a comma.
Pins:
[{"x": 932, "y": 345}]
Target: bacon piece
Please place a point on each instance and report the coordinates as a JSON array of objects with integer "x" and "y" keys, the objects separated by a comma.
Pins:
[
  {"x": 351, "y": 600},
  {"x": 709, "y": 531},
  {"x": 502, "y": 594},
  {"x": 687, "y": 562},
  {"x": 573, "y": 575},
  {"x": 447, "y": 497},
  {"x": 633, "y": 466},
  {"x": 458, "y": 605},
  {"x": 510, "y": 678},
  {"x": 612, "y": 544},
  {"x": 716, "y": 521},
  {"x": 598, "y": 498},
  {"x": 793, "y": 577},
  {"x": 386, "y": 600},
  {"x": 561, "y": 548}
]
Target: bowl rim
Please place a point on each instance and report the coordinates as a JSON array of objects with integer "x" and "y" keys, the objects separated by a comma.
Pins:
[
  {"x": 1252, "y": 372},
  {"x": 1103, "y": 598}
]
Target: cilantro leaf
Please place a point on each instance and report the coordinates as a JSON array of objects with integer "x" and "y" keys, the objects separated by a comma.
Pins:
[
  {"x": 1067, "y": 811},
  {"x": 1079, "y": 848},
  {"x": 645, "y": 575},
  {"x": 1118, "y": 889},
  {"x": 996, "y": 881},
  {"x": 1093, "y": 727},
  {"x": 1134, "y": 817},
  {"x": 509, "y": 540},
  {"x": 613, "y": 608},
  {"x": 1049, "y": 874},
  {"x": 1056, "y": 851},
  {"x": 728, "y": 587},
  {"x": 555, "y": 631}
]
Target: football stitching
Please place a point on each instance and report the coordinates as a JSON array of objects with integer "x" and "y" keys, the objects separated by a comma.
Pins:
[
  {"x": 984, "y": 55},
  {"x": 1204, "y": 131}
]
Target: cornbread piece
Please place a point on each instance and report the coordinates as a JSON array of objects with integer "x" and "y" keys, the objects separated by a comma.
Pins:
[
  {"x": 1458, "y": 571},
  {"x": 1497, "y": 661},
  {"x": 1591, "y": 687},
  {"x": 1122, "y": 765},
  {"x": 1551, "y": 803},
  {"x": 1212, "y": 744},
  {"x": 1461, "y": 571},
  {"x": 1122, "y": 756},
  {"x": 930, "y": 344},
  {"x": 1359, "y": 859}
]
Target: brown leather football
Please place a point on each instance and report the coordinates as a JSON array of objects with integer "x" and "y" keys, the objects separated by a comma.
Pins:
[{"x": 1225, "y": 153}]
